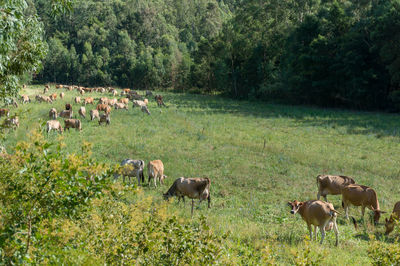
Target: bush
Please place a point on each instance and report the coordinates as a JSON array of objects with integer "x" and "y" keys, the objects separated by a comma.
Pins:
[{"x": 384, "y": 254}]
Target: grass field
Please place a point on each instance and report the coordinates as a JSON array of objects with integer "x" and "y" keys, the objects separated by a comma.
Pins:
[{"x": 258, "y": 156}]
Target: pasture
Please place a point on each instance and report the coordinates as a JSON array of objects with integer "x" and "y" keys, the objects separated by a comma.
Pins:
[{"x": 258, "y": 156}]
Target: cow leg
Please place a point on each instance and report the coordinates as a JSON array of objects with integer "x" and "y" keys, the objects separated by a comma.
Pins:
[
  {"x": 318, "y": 195},
  {"x": 192, "y": 206},
  {"x": 315, "y": 233},
  {"x": 322, "y": 230},
  {"x": 362, "y": 212},
  {"x": 326, "y": 199},
  {"x": 138, "y": 177},
  {"x": 335, "y": 228},
  {"x": 310, "y": 230},
  {"x": 209, "y": 201},
  {"x": 155, "y": 181}
]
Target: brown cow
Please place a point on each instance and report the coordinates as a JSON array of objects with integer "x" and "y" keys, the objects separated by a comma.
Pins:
[
  {"x": 4, "y": 112},
  {"x": 359, "y": 195},
  {"x": 89, "y": 100},
  {"x": 72, "y": 123},
  {"x": 159, "y": 100},
  {"x": 82, "y": 111},
  {"x": 126, "y": 91},
  {"x": 105, "y": 118},
  {"x": 77, "y": 99},
  {"x": 104, "y": 107},
  {"x": 121, "y": 106},
  {"x": 317, "y": 213},
  {"x": 103, "y": 100},
  {"x": 25, "y": 98},
  {"x": 124, "y": 100},
  {"x": 68, "y": 106},
  {"x": 155, "y": 170},
  {"x": 62, "y": 95},
  {"x": 393, "y": 217},
  {"x": 53, "y": 96},
  {"x": 59, "y": 86},
  {"x": 53, "y": 113},
  {"x": 112, "y": 101},
  {"x": 54, "y": 125},
  {"x": 332, "y": 185},
  {"x": 93, "y": 114},
  {"x": 194, "y": 188},
  {"x": 66, "y": 113}
]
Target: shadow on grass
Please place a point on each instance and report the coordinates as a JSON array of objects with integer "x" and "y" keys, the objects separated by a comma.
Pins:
[{"x": 354, "y": 122}]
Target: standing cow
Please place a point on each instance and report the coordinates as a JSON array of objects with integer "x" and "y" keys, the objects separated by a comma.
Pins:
[
  {"x": 332, "y": 184},
  {"x": 132, "y": 168}
]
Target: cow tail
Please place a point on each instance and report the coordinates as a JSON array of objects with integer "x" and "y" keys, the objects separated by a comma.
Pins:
[
  {"x": 342, "y": 204},
  {"x": 354, "y": 222}
]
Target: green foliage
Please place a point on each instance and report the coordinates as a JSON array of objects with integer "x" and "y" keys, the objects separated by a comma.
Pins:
[{"x": 384, "y": 254}]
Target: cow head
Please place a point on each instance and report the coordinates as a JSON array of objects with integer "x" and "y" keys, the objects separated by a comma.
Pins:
[
  {"x": 295, "y": 205},
  {"x": 390, "y": 223},
  {"x": 166, "y": 196},
  {"x": 377, "y": 215}
]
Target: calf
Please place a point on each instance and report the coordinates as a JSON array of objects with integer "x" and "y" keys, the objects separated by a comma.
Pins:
[
  {"x": 4, "y": 112},
  {"x": 77, "y": 99},
  {"x": 53, "y": 113},
  {"x": 359, "y": 195},
  {"x": 317, "y": 213},
  {"x": 194, "y": 188},
  {"x": 393, "y": 217},
  {"x": 62, "y": 95},
  {"x": 54, "y": 125},
  {"x": 66, "y": 113},
  {"x": 132, "y": 168},
  {"x": 155, "y": 170},
  {"x": 82, "y": 111},
  {"x": 105, "y": 118},
  {"x": 72, "y": 123},
  {"x": 94, "y": 114},
  {"x": 332, "y": 185}
]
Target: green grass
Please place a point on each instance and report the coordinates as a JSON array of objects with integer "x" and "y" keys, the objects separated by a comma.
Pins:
[{"x": 224, "y": 139}]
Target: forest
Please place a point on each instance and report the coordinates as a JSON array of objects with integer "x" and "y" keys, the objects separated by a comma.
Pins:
[{"x": 314, "y": 52}]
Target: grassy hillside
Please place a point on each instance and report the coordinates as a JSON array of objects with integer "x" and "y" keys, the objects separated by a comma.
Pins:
[{"x": 251, "y": 181}]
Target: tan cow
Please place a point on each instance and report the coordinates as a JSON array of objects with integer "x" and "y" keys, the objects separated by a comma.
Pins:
[
  {"x": 317, "y": 213},
  {"x": 89, "y": 100},
  {"x": 121, "y": 106},
  {"x": 77, "y": 99},
  {"x": 62, "y": 95},
  {"x": 155, "y": 170},
  {"x": 146, "y": 101},
  {"x": 124, "y": 100},
  {"x": 53, "y": 96},
  {"x": 12, "y": 122},
  {"x": 72, "y": 123},
  {"x": 103, "y": 100},
  {"x": 53, "y": 113},
  {"x": 46, "y": 89},
  {"x": 112, "y": 101},
  {"x": 193, "y": 188},
  {"x": 54, "y": 125},
  {"x": 82, "y": 111},
  {"x": 25, "y": 98},
  {"x": 82, "y": 91},
  {"x": 94, "y": 114},
  {"x": 104, "y": 107},
  {"x": 4, "y": 112},
  {"x": 114, "y": 93},
  {"x": 66, "y": 113},
  {"x": 105, "y": 118},
  {"x": 359, "y": 195},
  {"x": 393, "y": 217},
  {"x": 59, "y": 86},
  {"x": 332, "y": 184},
  {"x": 138, "y": 103}
]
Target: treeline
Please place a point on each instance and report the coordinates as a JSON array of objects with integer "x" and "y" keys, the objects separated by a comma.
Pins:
[{"x": 319, "y": 52}]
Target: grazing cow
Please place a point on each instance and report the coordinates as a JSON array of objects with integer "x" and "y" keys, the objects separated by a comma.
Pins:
[
  {"x": 68, "y": 106},
  {"x": 124, "y": 100},
  {"x": 77, "y": 99},
  {"x": 121, "y": 106},
  {"x": 104, "y": 107},
  {"x": 40, "y": 98},
  {"x": 46, "y": 89},
  {"x": 114, "y": 93},
  {"x": 89, "y": 100},
  {"x": 393, "y": 217},
  {"x": 149, "y": 93},
  {"x": 82, "y": 91},
  {"x": 59, "y": 86},
  {"x": 317, "y": 213},
  {"x": 145, "y": 109},
  {"x": 112, "y": 101},
  {"x": 105, "y": 118},
  {"x": 103, "y": 100},
  {"x": 138, "y": 103},
  {"x": 25, "y": 98},
  {"x": 359, "y": 195},
  {"x": 132, "y": 168},
  {"x": 54, "y": 125},
  {"x": 53, "y": 113},
  {"x": 66, "y": 113},
  {"x": 72, "y": 123},
  {"x": 155, "y": 170},
  {"x": 4, "y": 112},
  {"x": 193, "y": 188},
  {"x": 82, "y": 111},
  {"x": 332, "y": 184},
  {"x": 53, "y": 96},
  {"x": 126, "y": 91},
  {"x": 62, "y": 95},
  {"x": 93, "y": 114},
  {"x": 12, "y": 122},
  {"x": 159, "y": 100},
  {"x": 70, "y": 88}
]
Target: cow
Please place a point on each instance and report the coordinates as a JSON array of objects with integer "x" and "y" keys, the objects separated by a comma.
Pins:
[
  {"x": 114, "y": 93},
  {"x": 104, "y": 107},
  {"x": 66, "y": 113},
  {"x": 145, "y": 109},
  {"x": 72, "y": 123},
  {"x": 149, "y": 93},
  {"x": 132, "y": 168},
  {"x": 159, "y": 100},
  {"x": 112, "y": 101},
  {"x": 77, "y": 99},
  {"x": 105, "y": 118},
  {"x": 53, "y": 113},
  {"x": 93, "y": 114},
  {"x": 193, "y": 188},
  {"x": 68, "y": 106},
  {"x": 12, "y": 122},
  {"x": 121, "y": 106},
  {"x": 138, "y": 103},
  {"x": 4, "y": 112},
  {"x": 332, "y": 185},
  {"x": 103, "y": 100},
  {"x": 53, "y": 96},
  {"x": 25, "y": 99},
  {"x": 62, "y": 95},
  {"x": 82, "y": 91},
  {"x": 89, "y": 100},
  {"x": 389, "y": 223},
  {"x": 146, "y": 101},
  {"x": 46, "y": 89},
  {"x": 155, "y": 170},
  {"x": 359, "y": 195},
  {"x": 124, "y": 100},
  {"x": 82, "y": 111},
  {"x": 125, "y": 91},
  {"x": 317, "y": 213},
  {"x": 59, "y": 86},
  {"x": 54, "y": 125},
  {"x": 40, "y": 98}
]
